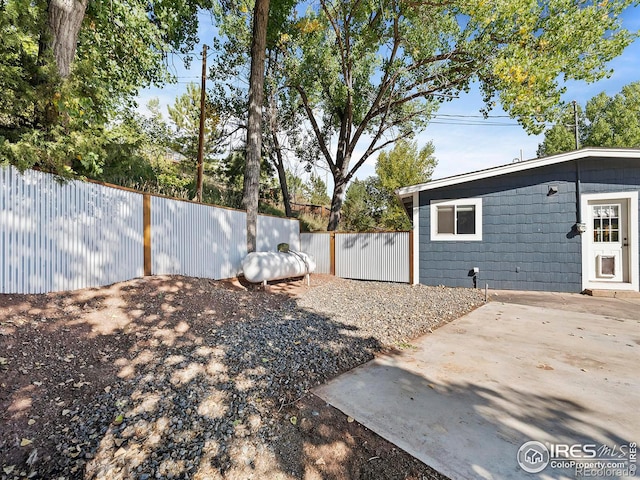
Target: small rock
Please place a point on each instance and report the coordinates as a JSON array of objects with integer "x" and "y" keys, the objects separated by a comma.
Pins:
[{"x": 306, "y": 425}]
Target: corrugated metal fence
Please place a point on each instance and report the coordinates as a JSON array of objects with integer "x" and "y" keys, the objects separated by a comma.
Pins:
[
  {"x": 363, "y": 256},
  {"x": 318, "y": 245},
  {"x": 209, "y": 242},
  {"x": 68, "y": 235},
  {"x": 373, "y": 256},
  {"x": 196, "y": 240},
  {"x": 64, "y": 236}
]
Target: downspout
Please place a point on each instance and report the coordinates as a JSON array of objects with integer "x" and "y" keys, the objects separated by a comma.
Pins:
[{"x": 579, "y": 227}]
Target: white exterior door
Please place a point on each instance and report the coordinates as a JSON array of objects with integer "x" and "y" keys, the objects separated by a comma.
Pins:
[{"x": 610, "y": 241}]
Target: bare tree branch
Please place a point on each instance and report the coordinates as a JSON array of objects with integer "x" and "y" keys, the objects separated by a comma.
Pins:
[{"x": 316, "y": 128}]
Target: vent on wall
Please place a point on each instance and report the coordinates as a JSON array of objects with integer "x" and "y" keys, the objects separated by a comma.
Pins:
[{"x": 606, "y": 266}]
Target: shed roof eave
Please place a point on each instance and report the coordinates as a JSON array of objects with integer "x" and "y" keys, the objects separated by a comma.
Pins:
[{"x": 520, "y": 166}]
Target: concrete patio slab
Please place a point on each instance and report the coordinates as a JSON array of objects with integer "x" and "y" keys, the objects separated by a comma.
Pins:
[{"x": 465, "y": 398}]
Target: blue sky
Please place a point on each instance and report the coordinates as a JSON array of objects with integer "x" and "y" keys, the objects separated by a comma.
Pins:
[{"x": 459, "y": 148}]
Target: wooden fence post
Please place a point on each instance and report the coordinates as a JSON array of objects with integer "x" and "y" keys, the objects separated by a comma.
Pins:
[
  {"x": 146, "y": 221},
  {"x": 332, "y": 253}
]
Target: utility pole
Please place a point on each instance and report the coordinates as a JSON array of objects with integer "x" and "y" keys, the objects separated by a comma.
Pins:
[
  {"x": 201, "y": 133},
  {"x": 575, "y": 124}
]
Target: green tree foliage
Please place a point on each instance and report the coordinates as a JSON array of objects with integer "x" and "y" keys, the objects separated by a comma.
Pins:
[
  {"x": 316, "y": 191},
  {"x": 358, "y": 211},
  {"x": 185, "y": 115},
  {"x": 605, "y": 122},
  {"x": 231, "y": 176},
  {"x": 372, "y": 72},
  {"x": 404, "y": 165},
  {"x": 561, "y": 136},
  {"x": 372, "y": 203},
  {"x": 296, "y": 187},
  {"x": 60, "y": 123},
  {"x": 615, "y": 121}
]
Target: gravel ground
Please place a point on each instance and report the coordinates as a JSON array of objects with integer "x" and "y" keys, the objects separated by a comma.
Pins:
[
  {"x": 215, "y": 385},
  {"x": 391, "y": 313}
]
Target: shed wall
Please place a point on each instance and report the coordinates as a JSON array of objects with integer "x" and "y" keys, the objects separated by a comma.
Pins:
[{"x": 527, "y": 243}]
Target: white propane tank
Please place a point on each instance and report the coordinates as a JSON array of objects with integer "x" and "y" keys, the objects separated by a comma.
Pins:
[{"x": 265, "y": 266}]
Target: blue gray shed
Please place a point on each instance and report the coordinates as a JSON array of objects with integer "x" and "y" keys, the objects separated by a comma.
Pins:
[{"x": 567, "y": 222}]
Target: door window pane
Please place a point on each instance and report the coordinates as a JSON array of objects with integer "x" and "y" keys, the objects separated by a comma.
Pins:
[{"x": 606, "y": 223}]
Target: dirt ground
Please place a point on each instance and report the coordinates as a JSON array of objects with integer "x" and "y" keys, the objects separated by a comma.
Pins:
[{"x": 62, "y": 351}]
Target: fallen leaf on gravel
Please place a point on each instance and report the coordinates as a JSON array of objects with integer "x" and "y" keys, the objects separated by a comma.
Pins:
[
  {"x": 118, "y": 420},
  {"x": 107, "y": 389},
  {"x": 293, "y": 420},
  {"x": 9, "y": 469},
  {"x": 31, "y": 421},
  {"x": 25, "y": 442}
]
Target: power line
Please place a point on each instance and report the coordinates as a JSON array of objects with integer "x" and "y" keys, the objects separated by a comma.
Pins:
[
  {"x": 469, "y": 116},
  {"x": 471, "y": 123}
]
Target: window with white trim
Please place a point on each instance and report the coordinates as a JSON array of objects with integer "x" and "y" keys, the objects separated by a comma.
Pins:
[{"x": 459, "y": 220}]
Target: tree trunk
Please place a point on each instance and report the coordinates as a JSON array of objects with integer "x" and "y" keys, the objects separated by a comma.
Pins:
[
  {"x": 254, "y": 122},
  {"x": 339, "y": 191},
  {"x": 64, "y": 21},
  {"x": 282, "y": 176}
]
